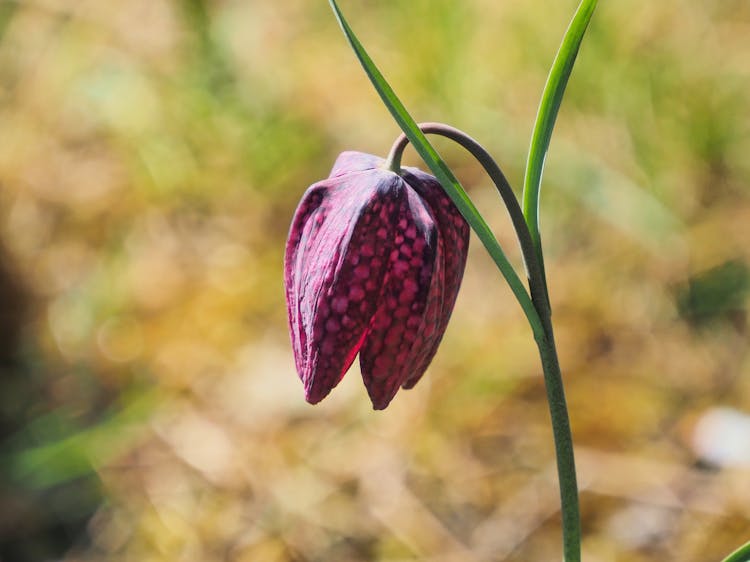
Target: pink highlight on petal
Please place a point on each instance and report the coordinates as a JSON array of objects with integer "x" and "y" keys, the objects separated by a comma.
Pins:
[
  {"x": 328, "y": 346},
  {"x": 405, "y": 297},
  {"x": 401, "y": 313},
  {"x": 340, "y": 304},
  {"x": 356, "y": 293},
  {"x": 400, "y": 267},
  {"x": 362, "y": 271}
]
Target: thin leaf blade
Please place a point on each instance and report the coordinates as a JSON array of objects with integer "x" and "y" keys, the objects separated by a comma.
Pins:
[
  {"x": 742, "y": 554},
  {"x": 549, "y": 105}
]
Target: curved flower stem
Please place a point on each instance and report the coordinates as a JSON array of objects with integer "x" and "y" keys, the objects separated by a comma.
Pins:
[
  {"x": 566, "y": 470},
  {"x": 537, "y": 285},
  {"x": 742, "y": 554}
]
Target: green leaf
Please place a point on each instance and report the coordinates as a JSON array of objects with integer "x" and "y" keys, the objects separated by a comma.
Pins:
[
  {"x": 742, "y": 554},
  {"x": 78, "y": 453},
  {"x": 549, "y": 105},
  {"x": 443, "y": 173}
]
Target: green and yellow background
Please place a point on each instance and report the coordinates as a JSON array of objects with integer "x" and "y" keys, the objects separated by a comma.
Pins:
[{"x": 152, "y": 153}]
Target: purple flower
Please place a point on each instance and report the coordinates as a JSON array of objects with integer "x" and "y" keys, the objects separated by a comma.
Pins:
[{"x": 373, "y": 265}]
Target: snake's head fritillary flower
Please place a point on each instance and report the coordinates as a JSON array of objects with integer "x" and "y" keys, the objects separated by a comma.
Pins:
[{"x": 373, "y": 265}]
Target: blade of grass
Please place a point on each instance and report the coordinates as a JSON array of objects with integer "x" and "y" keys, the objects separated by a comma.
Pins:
[
  {"x": 443, "y": 173},
  {"x": 549, "y": 105},
  {"x": 742, "y": 554}
]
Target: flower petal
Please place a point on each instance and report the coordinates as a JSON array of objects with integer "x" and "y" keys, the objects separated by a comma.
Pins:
[
  {"x": 454, "y": 233},
  {"x": 293, "y": 264},
  {"x": 351, "y": 161},
  {"x": 337, "y": 272},
  {"x": 409, "y": 309}
]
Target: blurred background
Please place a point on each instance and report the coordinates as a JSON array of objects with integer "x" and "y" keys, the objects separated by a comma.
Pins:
[{"x": 152, "y": 153}]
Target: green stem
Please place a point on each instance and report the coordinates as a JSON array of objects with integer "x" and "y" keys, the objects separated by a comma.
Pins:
[
  {"x": 545, "y": 340},
  {"x": 566, "y": 466},
  {"x": 540, "y": 139},
  {"x": 742, "y": 554}
]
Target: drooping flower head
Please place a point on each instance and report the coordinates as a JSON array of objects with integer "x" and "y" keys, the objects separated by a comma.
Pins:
[{"x": 373, "y": 265}]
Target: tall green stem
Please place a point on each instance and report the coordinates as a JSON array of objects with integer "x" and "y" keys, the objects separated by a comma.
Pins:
[
  {"x": 549, "y": 106},
  {"x": 563, "y": 437},
  {"x": 545, "y": 340}
]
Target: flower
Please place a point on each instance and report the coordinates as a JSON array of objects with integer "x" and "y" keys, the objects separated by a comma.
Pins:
[{"x": 373, "y": 265}]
